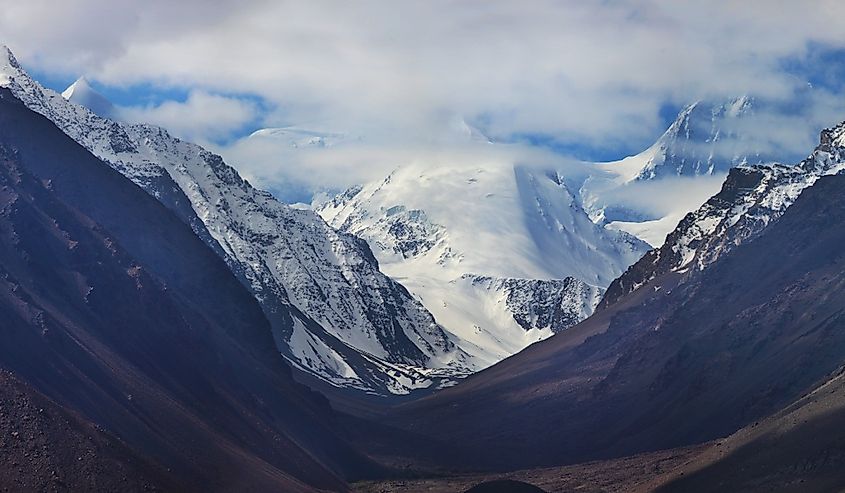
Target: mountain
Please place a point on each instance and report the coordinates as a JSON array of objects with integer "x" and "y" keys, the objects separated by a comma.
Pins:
[
  {"x": 503, "y": 256},
  {"x": 702, "y": 144},
  {"x": 693, "y": 354},
  {"x": 751, "y": 198},
  {"x": 334, "y": 315},
  {"x": 81, "y": 93},
  {"x": 114, "y": 308},
  {"x": 469, "y": 241},
  {"x": 706, "y": 138}
]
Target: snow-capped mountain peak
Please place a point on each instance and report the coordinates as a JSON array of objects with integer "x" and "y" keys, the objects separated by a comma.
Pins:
[
  {"x": 502, "y": 255},
  {"x": 81, "y": 92},
  {"x": 703, "y": 140},
  {"x": 81, "y": 85},
  {"x": 696, "y": 151},
  {"x": 8, "y": 66},
  {"x": 706, "y": 138},
  {"x": 7, "y": 58},
  {"x": 334, "y": 314}
]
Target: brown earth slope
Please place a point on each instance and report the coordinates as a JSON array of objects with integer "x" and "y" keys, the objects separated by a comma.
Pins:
[{"x": 800, "y": 448}]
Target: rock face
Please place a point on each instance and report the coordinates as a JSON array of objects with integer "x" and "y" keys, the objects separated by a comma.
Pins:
[
  {"x": 114, "y": 308},
  {"x": 334, "y": 314},
  {"x": 537, "y": 304},
  {"x": 692, "y": 355}
]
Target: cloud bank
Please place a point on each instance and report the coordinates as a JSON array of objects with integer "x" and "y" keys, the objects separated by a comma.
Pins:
[{"x": 581, "y": 74}]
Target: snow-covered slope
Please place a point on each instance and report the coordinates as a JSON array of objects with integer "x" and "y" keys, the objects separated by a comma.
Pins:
[
  {"x": 751, "y": 198},
  {"x": 467, "y": 219},
  {"x": 503, "y": 256},
  {"x": 334, "y": 314}
]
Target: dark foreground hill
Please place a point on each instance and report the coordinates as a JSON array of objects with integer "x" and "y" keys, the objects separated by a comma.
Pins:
[
  {"x": 113, "y": 308},
  {"x": 800, "y": 448}
]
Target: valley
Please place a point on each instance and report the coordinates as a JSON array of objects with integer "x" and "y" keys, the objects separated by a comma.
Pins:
[{"x": 641, "y": 295}]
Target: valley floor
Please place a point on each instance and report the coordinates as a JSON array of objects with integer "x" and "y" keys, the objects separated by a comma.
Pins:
[{"x": 639, "y": 473}]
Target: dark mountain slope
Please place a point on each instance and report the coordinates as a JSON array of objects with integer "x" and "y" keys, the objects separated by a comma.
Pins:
[
  {"x": 112, "y": 306},
  {"x": 801, "y": 448},
  {"x": 671, "y": 363}
]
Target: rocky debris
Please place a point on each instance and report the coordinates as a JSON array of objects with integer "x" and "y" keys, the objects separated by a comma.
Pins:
[{"x": 46, "y": 448}]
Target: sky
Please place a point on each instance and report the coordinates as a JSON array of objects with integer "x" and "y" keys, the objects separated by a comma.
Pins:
[{"x": 390, "y": 82}]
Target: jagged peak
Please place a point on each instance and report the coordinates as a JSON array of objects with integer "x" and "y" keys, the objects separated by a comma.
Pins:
[
  {"x": 733, "y": 108},
  {"x": 9, "y": 67},
  {"x": 7, "y": 58},
  {"x": 690, "y": 144},
  {"x": 833, "y": 136}
]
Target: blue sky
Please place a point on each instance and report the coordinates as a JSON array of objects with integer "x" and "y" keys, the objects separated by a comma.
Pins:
[{"x": 590, "y": 80}]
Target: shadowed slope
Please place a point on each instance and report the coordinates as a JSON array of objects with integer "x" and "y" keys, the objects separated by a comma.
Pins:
[{"x": 800, "y": 448}]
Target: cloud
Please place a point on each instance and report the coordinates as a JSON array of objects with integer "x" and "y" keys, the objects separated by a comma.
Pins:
[
  {"x": 585, "y": 68},
  {"x": 593, "y": 74},
  {"x": 659, "y": 198},
  {"x": 202, "y": 117},
  {"x": 294, "y": 168}
]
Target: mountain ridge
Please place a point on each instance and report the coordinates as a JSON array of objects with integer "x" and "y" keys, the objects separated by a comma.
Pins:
[
  {"x": 347, "y": 313},
  {"x": 750, "y": 199}
]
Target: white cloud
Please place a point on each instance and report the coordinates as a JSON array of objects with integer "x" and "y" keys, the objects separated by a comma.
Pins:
[
  {"x": 659, "y": 198},
  {"x": 202, "y": 117},
  {"x": 594, "y": 73},
  {"x": 295, "y": 172},
  {"x": 581, "y": 67}
]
